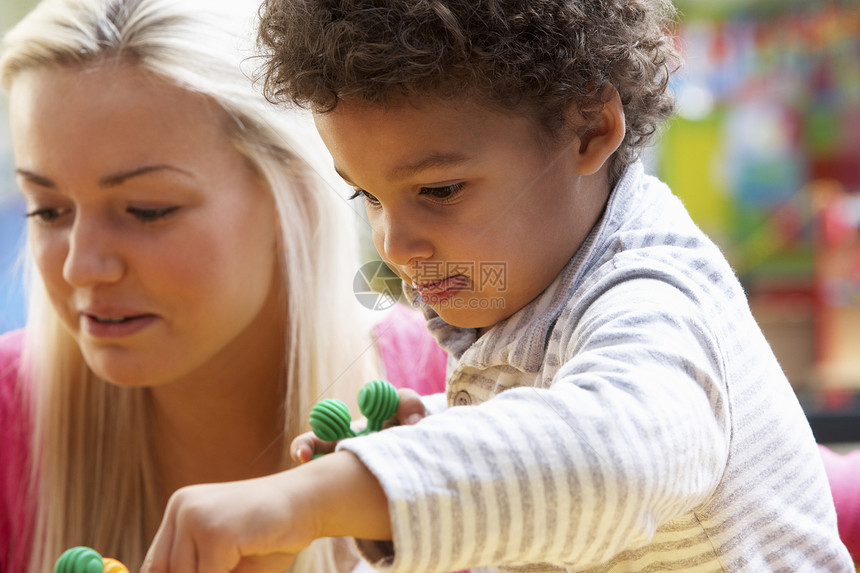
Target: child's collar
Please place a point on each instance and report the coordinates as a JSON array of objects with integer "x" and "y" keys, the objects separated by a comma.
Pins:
[{"x": 482, "y": 349}]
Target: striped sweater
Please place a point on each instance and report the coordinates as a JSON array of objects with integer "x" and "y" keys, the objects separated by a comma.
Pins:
[{"x": 630, "y": 418}]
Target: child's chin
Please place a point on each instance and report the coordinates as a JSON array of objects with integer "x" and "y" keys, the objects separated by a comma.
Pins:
[{"x": 469, "y": 318}]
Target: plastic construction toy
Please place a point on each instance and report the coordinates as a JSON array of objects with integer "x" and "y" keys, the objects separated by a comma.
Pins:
[
  {"x": 86, "y": 560},
  {"x": 330, "y": 419}
]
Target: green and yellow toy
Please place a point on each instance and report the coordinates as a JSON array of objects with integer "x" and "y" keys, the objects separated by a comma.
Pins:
[{"x": 87, "y": 560}]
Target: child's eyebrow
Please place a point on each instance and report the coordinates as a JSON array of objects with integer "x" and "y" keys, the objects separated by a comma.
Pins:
[
  {"x": 343, "y": 175},
  {"x": 435, "y": 159}
]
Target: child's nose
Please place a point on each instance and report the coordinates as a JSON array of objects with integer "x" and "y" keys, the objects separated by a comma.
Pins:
[
  {"x": 92, "y": 256},
  {"x": 405, "y": 238}
]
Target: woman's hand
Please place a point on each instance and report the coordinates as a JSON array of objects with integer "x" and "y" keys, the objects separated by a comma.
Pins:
[
  {"x": 409, "y": 411},
  {"x": 259, "y": 525}
]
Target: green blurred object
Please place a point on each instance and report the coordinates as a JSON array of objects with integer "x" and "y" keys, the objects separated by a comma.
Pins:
[
  {"x": 723, "y": 9},
  {"x": 691, "y": 152}
]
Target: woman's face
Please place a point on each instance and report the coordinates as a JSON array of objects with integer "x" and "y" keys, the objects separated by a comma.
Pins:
[{"x": 155, "y": 238}]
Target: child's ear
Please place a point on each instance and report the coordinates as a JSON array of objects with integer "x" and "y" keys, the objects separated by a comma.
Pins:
[{"x": 604, "y": 134}]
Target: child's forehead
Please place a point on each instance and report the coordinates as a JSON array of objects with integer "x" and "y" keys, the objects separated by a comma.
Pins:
[
  {"x": 404, "y": 115},
  {"x": 432, "y": 107},
  {"x": 400, "y": 140},
  {"x": 425, "y": 140}
]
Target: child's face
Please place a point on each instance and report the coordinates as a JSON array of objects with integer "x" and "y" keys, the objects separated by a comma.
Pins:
[{"x": 466, "y": 203}]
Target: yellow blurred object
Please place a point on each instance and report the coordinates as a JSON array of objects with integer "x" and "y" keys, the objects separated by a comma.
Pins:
[{"x": 114, "y": 566}]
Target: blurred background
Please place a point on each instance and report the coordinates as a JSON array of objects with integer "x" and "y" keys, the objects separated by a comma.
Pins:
[
  {"x": 12, "y": 306},
  {"x": 764, "y": 151}
]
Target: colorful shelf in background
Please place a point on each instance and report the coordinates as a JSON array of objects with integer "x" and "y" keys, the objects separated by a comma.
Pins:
[{"x": 769, "y": 114}]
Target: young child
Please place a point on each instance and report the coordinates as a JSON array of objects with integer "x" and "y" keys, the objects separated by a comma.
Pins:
[{"x": 612, "y": 404}]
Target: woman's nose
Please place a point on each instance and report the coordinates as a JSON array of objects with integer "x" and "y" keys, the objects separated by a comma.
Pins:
[{"x": 92, "y": 255}]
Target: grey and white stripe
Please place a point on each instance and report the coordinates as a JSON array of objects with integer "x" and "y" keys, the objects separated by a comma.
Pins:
[{"x": 631, "y": 418}]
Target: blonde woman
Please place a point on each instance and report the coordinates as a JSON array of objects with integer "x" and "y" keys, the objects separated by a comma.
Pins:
[{"x": 191, "y": 270}]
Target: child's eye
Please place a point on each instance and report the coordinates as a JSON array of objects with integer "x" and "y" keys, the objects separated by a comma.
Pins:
[
  {"x": 443, "y": 194},
  {"x": 370, "y": 199},
  {"x": 47, "y": 215},
  {"x": 149, "y": 215}
]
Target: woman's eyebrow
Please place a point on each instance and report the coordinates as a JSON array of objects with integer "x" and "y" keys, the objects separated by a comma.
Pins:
[
  {"x": 35, "y": 178},
  {"x": 121, "y": 177},
  {"x": 111, "y": 180}
]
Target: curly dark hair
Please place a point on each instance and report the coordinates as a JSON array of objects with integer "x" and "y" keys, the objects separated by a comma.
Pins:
[{"x": 531, "y": 56}]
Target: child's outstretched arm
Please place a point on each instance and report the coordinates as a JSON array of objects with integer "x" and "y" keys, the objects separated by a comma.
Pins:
[{"x": 261, "y": 524}]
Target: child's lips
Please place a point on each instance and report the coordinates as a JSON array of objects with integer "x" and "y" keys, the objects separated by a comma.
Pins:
[{"x": 442, "y": 288}]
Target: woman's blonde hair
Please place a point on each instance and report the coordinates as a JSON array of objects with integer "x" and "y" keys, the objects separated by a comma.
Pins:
[{"x": 93, "y": 472}]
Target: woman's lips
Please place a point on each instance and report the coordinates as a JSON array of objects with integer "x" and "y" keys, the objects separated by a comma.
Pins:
[
  {"x": 115, "y": 326},
  {"x": 443, "y": 289}
]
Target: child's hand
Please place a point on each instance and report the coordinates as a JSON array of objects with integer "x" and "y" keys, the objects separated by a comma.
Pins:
[
  {"x": 409, "y": 411},
  {"x": 261, "y": 524},
  {"x": 251, "y": 525}
]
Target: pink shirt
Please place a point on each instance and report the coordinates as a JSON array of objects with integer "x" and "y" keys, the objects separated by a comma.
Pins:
[
  {"x": 15, "y": 513},
  {"x": 409, "y": 354},
  {"x": 843, "y": 473}
]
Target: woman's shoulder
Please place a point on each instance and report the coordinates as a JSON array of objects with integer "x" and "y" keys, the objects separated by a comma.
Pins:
[
  {"x": 13, "y": 388},
  {"x": 11, "y": 348},
  {"x": 12, "y": 382},
  {"x": 410, "y": 354}
]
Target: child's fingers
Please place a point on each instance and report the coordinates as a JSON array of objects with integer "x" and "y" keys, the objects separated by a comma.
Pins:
[
  {"x": 267, "y": 564},
  {"x": 185, "y": 544},
  {"x": 157, "y": 559},
  {"x": 184, "y": 557},
  {"x": 307, "y": 445},
  {"x": 411, "y": 409}
]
